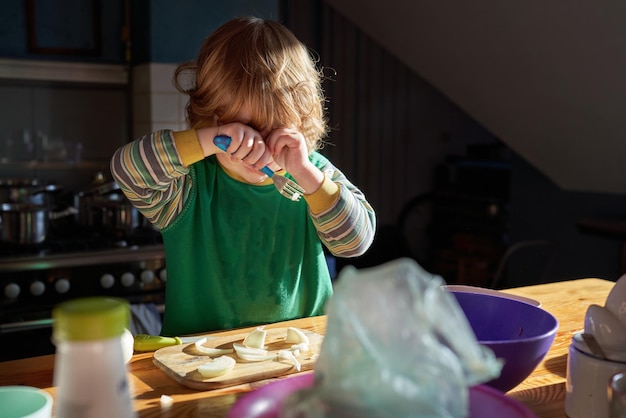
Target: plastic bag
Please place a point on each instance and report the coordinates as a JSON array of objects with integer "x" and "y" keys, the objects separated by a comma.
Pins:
[{"x": 396, "y": 345}]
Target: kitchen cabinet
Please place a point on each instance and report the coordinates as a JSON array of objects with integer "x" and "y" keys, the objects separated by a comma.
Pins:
[
  {"x": 62, "y": 130},
  {"x": 65, "y": 30}
]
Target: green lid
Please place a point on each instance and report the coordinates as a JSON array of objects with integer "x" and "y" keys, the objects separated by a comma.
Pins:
[{"x": 87, "y": 319}]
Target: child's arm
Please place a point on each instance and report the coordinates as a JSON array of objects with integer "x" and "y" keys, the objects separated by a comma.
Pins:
[
  {"x": 344, "y": 219},
  {"x": 151, "y": 171}
]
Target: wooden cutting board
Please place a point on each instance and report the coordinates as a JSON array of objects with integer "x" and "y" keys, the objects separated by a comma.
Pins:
[{"x": 181, "y": 362}]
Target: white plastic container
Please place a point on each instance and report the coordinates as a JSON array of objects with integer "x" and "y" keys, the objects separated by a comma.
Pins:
[{"x": 90, "y": 371}]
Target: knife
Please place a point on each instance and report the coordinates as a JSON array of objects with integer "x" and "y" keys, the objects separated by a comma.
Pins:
[{"x": 145, "y": 342}]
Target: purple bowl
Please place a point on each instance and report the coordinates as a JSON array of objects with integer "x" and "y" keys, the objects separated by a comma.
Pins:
[{"x": 519, "y": 333}]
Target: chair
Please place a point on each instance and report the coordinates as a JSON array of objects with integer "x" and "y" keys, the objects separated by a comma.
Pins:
[{"x": 528, "y": 261}]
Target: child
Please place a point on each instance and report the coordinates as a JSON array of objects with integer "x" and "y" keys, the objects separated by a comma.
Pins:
[{"x": 238, "y": 253}]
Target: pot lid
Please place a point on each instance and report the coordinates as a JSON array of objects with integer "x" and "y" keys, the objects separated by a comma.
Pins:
[
  {"x": 28, "y": 182},
  {"x": 19, "y": 182},
  {"x": 21, "y": 207},
  {"x": 102, "y": 189}
]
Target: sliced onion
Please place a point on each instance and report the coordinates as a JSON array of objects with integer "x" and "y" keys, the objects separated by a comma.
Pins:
[
  {"x": 288, "y": 355},
  {"x": 242, "y": 349},
  {"x": 210, "y": 350},
  {"x": 296, "y": 335},
  {"x": 255, "y": 338},
  {"x": 217, "y": 367},
  {"x": 252, "y": 354},
  {"x": 301, "y": 347},
  {"x": 261, "y": 357},
  {"x": 166, "y": 400}
]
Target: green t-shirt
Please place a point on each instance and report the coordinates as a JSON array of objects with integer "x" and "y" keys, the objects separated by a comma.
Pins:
[{"x": 241, "y": 255}]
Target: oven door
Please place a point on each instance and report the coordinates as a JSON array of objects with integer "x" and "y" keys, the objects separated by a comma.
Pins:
[{"x": 22, "y": 337}]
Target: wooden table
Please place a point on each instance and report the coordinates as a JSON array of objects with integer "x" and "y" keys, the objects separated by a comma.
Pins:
[{"x": 543, "y": 391}]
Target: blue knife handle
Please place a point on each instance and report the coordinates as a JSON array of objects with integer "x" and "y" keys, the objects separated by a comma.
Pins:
[{"x": 223, "y": 141}]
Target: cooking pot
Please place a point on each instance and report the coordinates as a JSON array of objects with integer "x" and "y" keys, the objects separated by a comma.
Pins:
[
  {"x": 118, "y": 215},
  {"x": 105, "y": 206},
  {"x": 25, "y": 223},
  {"x": 25, "y": 190}
]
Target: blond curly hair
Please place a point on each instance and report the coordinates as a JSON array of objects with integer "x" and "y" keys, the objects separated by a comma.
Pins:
[{"x": 259, "y": 64}]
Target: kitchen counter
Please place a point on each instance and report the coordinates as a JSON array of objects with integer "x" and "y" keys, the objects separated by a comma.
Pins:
[{"x": 543, "y": 391}]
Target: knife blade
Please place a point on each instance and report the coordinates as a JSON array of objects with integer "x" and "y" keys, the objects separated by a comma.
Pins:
[{"x": 145, "y": 342}]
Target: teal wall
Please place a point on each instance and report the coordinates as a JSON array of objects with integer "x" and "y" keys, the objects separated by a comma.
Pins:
[
  {"x": 178, "y": 28},
  {"x": 163, "y": 31}
]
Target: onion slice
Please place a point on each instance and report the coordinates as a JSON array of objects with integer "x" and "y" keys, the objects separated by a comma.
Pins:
[
  {"x": 210, "y": 351},
  {"x": 217, "y": 367},
  {"x": 166, "y": 400},
  {"x": 255, "y": 338},
  {"x": 301, "y": 347},
  {"x": 260, "y": 357},
  {"x": 296, "y": 336},
  {"x": 252, "y": 354},
  {"x": 288, "y": 355}
]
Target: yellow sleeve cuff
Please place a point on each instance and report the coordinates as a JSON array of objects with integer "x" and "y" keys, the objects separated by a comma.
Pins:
[
  {"x": 324, "y": 197},
  {"x": 188, "y": 147}
]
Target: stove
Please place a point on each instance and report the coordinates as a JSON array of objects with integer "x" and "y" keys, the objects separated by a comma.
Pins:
[{"x": 75, "y": 262}]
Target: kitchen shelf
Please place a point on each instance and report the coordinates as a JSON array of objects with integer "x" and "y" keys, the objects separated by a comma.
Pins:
[
  {"x": 54, "y": 165},
  {"x": 74, "y": 72}
]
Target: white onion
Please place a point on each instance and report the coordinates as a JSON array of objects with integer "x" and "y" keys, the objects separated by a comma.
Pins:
[
  {"x": 303, "y": 347},
  {"x": 255, "y": 338},
  {"x": 252, "y": 357},
  {"x": 295, "y": 335},
  {"x": 217, "y": 367},
  {"x": 288, "y": 355},
  {"x": 210, "y": 350},
  {"x": 166, "y": 400},
  {"x": 252, "y": 354}
]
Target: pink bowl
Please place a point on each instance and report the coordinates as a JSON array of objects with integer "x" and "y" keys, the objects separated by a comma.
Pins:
[{"x": 266, "y": 402}]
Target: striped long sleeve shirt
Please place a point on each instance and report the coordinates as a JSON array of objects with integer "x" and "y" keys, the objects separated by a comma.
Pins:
[
  {"x": 153, "y": 172},
  {"x": 238, "y": 254}
]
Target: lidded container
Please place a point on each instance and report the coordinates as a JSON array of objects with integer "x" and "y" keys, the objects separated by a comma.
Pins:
[{"x": 89, "y": 371}]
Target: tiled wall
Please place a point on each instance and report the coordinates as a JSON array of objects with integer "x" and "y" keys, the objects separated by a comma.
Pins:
[
  {"x": 60, "y": 133},
  {"x": 97, "y": 112},
  {"x": 156, "y": 104}
]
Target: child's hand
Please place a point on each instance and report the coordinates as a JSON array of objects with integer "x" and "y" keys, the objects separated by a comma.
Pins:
[
  {"x": 290, "y": 152},
  {"x": 288, "y": 149},
  {"x": 246, "y": 145}
]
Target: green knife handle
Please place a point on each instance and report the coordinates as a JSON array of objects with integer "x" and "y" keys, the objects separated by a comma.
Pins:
[{"x": 145, "y": 342}]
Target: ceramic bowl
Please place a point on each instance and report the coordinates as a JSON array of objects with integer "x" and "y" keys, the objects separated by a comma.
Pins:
[
  {"x": 25, "y": 402},
  {"x": 266, "y": 402},
  {"x": 607, "y": 328},
  {"x": 518, "y": 333},
  {"x": 616, "y": 301}
]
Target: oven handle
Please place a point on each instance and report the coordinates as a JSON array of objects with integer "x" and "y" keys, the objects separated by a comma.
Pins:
[
  {"x": 43, "y": 323},
  {"x": 25, "y": 325}
]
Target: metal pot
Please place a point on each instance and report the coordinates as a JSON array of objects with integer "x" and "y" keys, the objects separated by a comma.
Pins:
[
  {"x": 25, "y": 223},
  {"x": 30, "y": 191},
  {"x": 117, "y": 215},
  {"x": 105, "y": 206}
]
